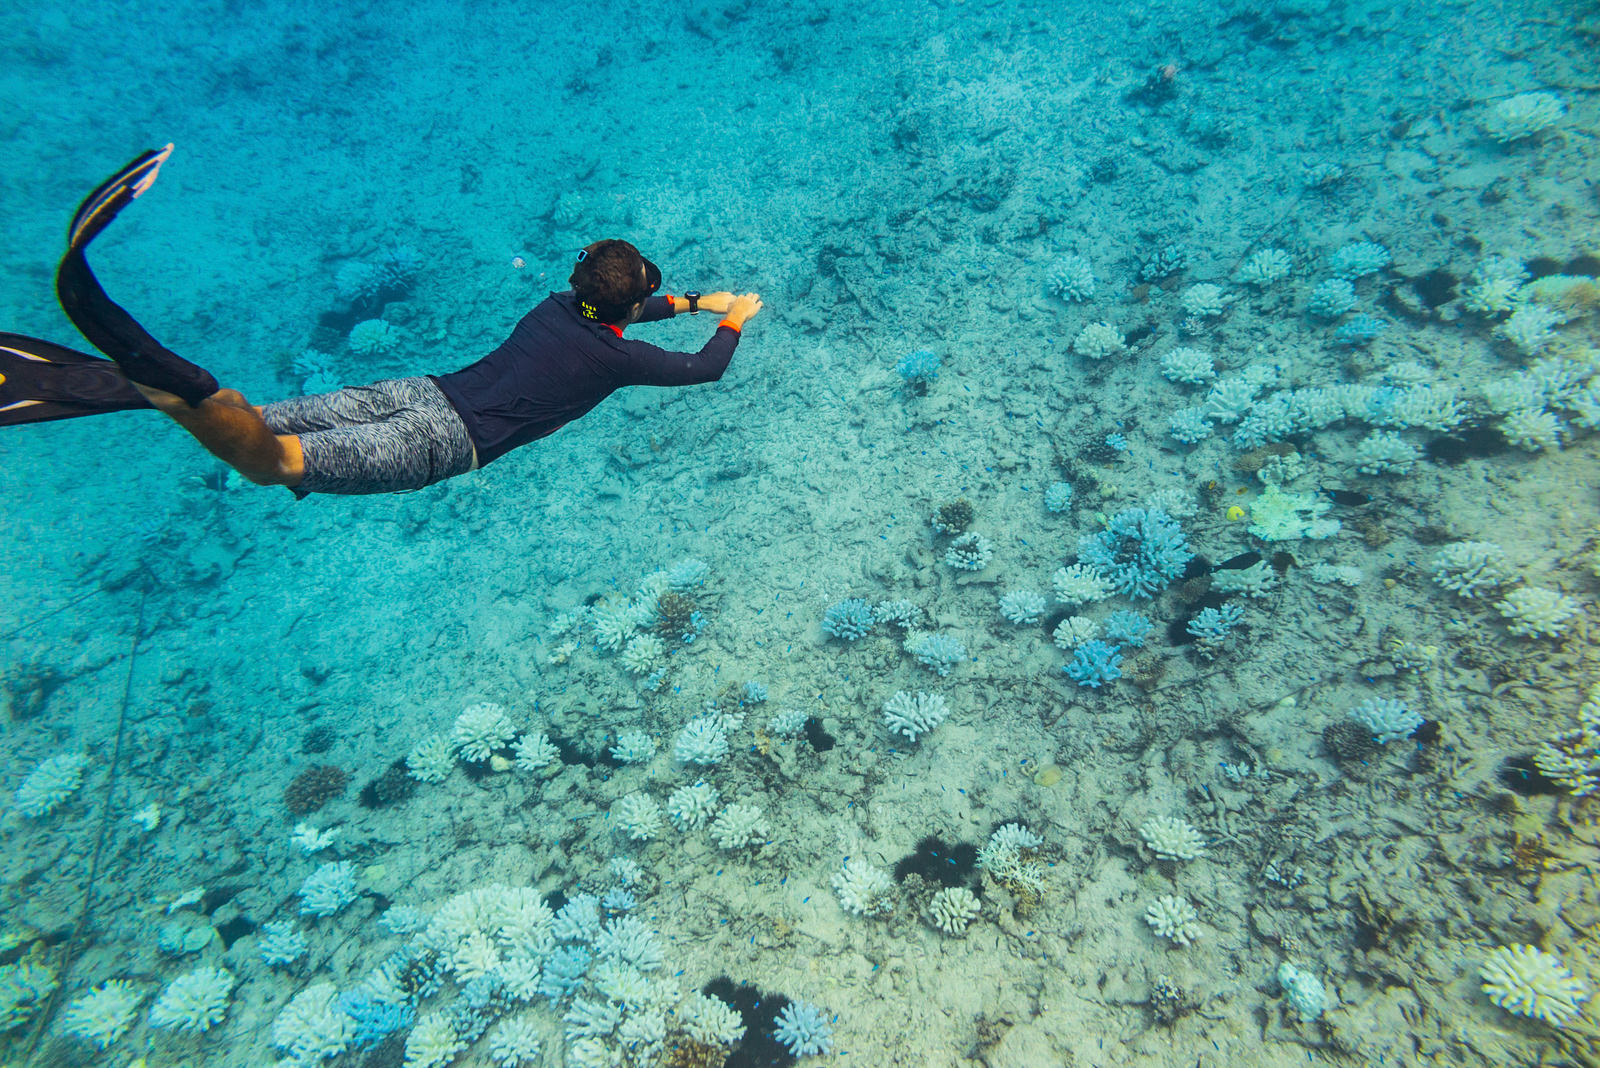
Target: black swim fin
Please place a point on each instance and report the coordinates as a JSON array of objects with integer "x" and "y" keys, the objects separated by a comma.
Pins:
[
  {"x": 106, "y": 324},
  {"x": 41, "y": 381},
  {"x": 112, "y": 195}
]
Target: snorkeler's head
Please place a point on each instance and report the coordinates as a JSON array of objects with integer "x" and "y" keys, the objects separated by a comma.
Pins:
[{"x": 611, "y": 277}]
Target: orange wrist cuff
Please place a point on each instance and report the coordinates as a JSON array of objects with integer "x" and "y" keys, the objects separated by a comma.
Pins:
[{"x": 731, "y": 325}]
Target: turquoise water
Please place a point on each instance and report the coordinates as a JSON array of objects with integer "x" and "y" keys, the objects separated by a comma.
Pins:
[{"x": 890, "y": 178}]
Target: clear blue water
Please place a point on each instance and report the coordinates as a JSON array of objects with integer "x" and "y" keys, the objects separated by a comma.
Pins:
[{"x": 890, "y": 178}]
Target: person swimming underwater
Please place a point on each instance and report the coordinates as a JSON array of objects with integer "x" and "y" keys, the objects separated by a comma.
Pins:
[{"x": 564, "y": 357}]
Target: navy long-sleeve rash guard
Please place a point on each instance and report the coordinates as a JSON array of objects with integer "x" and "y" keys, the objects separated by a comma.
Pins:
[{"x": 556, "y": 365}]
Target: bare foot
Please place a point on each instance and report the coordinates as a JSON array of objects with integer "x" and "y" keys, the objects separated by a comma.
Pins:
[{"x": 161, "y": 400}]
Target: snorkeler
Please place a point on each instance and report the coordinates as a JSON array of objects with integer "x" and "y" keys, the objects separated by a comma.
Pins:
[{"x": 564, "y": 357}]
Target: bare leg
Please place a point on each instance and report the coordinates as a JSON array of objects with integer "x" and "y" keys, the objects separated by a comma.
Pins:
[{"x": 232, "y": 430}]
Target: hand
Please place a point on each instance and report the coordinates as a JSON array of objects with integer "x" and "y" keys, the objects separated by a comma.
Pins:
[
  {"x": 744, "y": 307},
  {"x": 716, "y": 303}
]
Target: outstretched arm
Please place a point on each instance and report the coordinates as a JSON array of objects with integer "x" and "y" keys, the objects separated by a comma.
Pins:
[
  {"x": 647, "y": 365},
  {"x": 715, "y": 303}
]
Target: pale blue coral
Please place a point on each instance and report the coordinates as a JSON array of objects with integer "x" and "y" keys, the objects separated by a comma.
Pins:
[
  {"x": 1140, "y": 551},
  {"x": 804, "y": 1029},
  {"x": 849, "y": 620},
  {"x": 1095, "y": 663},
  {"x": 937, "y": 652}
]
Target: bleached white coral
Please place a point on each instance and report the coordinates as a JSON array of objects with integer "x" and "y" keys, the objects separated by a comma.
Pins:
[
  {"x": 1172, "y": 839},
  {"x": 1423, "y": 407},
  {"x": 194, "y": 1001},
  {"x": 739, "y": 825},
  {"x": 1070, "y": 277},
  {"x": 1467, "y": 568},
  {"x": 310, "y": 1028},
  {"x": 51, "y": 783},
  {"x": 633, "y": 747},
  {"x": 1383, "y": 452},
  {"x": 952, "y": 909},
  {"x": 432, "y": 759},
  {"x": 1022, "y": 606},
  {"x": 1386, "y": 720},
  {"x": 1189, "y": 425},
  {"x": 1495, "y": 287},
  {"x": 1532, "y": 612},
  {"x": 710, "y": 1021},
  {"x": 1204, "y": 300},
  {"x": 863, "y": 889},
  {"x": 1190, "y": 366},
  {"x": 1521, "y": 116},
  {"x": 482, "y": 728},
  {"x": 913, "y": 714},
  {"x": 308, "y": 840},
  {"x": 969, "y": 552},
  {"x": 372, "y": 337},
  {"x": 1173, "y": 917},
  {"x": 690, "y": 807},
  {"x": 1230, "y": 399},
  {"x": 1264, "y": 267},
  {"x": 535, "y": 750},
  {"x": 1531, "y": 429},
  {"x": 1358, "y": 258},
  {"x": 473, "y": 956},
  {"x": 644, "y": 653},
  {"x": 328, "y": 889},
  {"x": 1343, "y": 574},
  {"x": 433, "y": 1042},
  {"x": 1303, "y": 990},
  {"x": 1257, "y": 580},
  {"x": 1531, "y": 328},
  {"x": 1079, "y": 584},
  {"x": 590, "y": 1052},
  {"x": 281, "y": 943},
  {"x": 1530, "y": 982},
  {"x": 703, "y": 740},
  {"x": 1073, "y": 631},
  {"x": 515, "y": 1042},
  {"x": 613, "y": 622},
  {"x": 629, "y": 940},
  {"x": 101, "y": 1014},
  {"x": 1098, "y": 340},
  {"x": 638, "y": 816},
  {"x": 1010, "y": 857}
]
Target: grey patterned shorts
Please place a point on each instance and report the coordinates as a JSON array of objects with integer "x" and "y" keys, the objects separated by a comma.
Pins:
[{"x": 394, "y": 435}]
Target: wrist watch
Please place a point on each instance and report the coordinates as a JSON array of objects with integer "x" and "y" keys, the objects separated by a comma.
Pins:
[{"x": 694, "y": 302}]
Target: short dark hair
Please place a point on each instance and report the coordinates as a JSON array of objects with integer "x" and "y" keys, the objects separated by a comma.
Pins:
[{"x": 608, "y": 277}]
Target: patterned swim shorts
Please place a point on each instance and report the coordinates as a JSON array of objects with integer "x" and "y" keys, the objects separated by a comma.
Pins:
[{"x": 398, "y": 434}]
